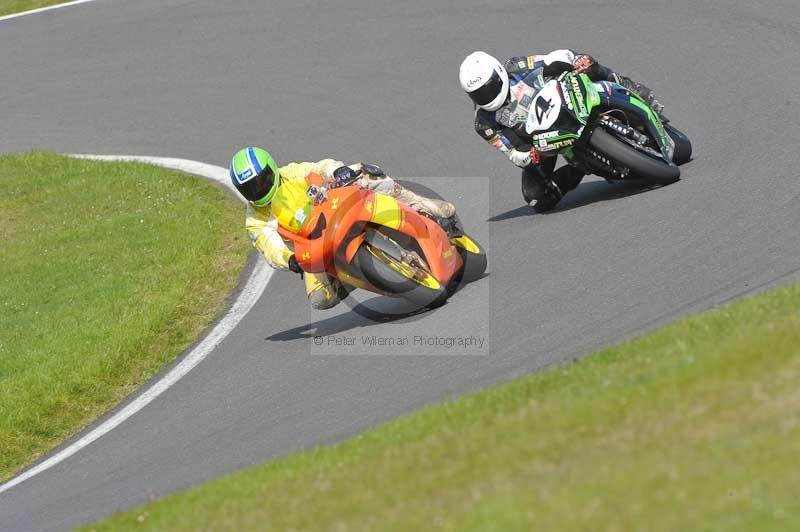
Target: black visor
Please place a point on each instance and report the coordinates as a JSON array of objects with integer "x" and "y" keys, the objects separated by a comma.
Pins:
[
  {"x": 259, "y": 186},
  {"x": 488, "y": 91}
]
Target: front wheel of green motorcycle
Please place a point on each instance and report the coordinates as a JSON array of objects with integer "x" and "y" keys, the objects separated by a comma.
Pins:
[
  {"x": 683, "y": 146},
  {"x": 641, "y": 165}
]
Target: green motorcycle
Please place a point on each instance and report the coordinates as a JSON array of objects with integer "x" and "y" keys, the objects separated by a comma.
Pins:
[{"x": 605, "y": 129}]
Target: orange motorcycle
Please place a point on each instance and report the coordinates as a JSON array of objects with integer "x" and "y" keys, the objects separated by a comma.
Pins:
[{"x": 371, "y": 241}]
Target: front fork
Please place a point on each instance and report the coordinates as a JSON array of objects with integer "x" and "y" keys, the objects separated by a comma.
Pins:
[{"x": 615, "y": 96}]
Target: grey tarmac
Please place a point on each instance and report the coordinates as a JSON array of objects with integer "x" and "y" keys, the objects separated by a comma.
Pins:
[{"x": 377, "y": 81}]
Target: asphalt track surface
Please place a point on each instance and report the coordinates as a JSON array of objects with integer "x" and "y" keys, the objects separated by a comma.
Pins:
[{"x": 377, "y": 80}]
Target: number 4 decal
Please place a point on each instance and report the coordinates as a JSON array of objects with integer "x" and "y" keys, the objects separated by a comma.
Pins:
[
  {"x": 546, "y": 108},
  {"x": 543, "y": 107}
]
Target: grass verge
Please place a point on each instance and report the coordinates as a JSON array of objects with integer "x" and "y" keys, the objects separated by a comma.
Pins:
[
  {"x": 109, "y": 270},
  {"x": 693, "y": 427},
  {"x": 8, "y": 7}
]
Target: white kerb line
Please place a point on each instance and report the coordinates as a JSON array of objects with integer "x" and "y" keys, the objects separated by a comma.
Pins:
[
  {"x": 43, "y": 9},
  {"x": 251, "y": 292}
]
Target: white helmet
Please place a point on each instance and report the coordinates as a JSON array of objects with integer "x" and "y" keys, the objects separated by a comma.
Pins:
[{"x": 485, "y": 80}]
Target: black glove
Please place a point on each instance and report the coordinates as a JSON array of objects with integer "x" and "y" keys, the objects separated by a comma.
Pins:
[
  {"x": 344, "y": 175},
  {"x": 293, "y": 266}
]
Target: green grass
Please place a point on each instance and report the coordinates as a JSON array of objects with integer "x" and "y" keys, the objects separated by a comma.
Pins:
[
  {"x": 693, "y": 427},
  {"x": 17, "y": 6},
  {"x": 109, "y": 270}
]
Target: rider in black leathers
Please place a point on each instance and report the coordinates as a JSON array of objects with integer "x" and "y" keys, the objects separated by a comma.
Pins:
[{"x": 498, "y": 92}]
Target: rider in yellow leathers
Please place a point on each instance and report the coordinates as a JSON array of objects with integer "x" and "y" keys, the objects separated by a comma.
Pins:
[{"x": 276, "y": 196}]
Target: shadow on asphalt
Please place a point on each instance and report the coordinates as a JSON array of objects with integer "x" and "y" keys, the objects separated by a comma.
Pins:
[
  {"x": 360, "y": 316},
  {"x": 586, "y": 193}
]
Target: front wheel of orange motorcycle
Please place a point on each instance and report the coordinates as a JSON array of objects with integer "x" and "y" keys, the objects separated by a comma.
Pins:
[
  {"x": 474, "y": 257},
  {"x": 398, "y": 277}
]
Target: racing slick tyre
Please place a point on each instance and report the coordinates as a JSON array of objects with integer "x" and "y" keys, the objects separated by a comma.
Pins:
[
  {"x": 641, "y": 165},
  {"x": 474, "y": 258},
  {"x": 683, "y": 146},
  {"x": 398, "y": 277}
]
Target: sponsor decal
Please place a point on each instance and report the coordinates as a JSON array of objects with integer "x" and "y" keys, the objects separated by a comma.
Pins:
[
  {"x": 567, "y": 98},
  {"x": 541, "y": 138},
  {"x": 300, "y": 215},
  {"x": 471, "y": 83},
  {"x": 521, "y": 64},
  {"x": 557, "y": 145},
  {"x": 543, "y": 108},
  {"x": 246, "y": 175},
  {"x": 369, "y": 206},
  {"x": 531, "y": 61},
  {"x": 488, "y": 132},
  {"x": 576, "y": 88},
  {"x": 503, "y": 117},
  {"x": 562, "y": 144},
  {"x": 306, "y": 256}
]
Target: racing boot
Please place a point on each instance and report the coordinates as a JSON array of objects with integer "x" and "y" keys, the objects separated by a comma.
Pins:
[
  {"x": 451, "y": 225},
  {"x": 597, "y": 72},
  {"x": 643, "y": 91}
]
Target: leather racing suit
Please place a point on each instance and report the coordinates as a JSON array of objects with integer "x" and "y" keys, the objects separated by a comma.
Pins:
[
  {"x": 262, "y": 222},
  {"x": 505, "y": 128}
]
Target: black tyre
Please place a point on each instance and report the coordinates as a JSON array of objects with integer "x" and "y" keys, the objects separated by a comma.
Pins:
[
  {"x": 683, "y": 146},
  {"x": 474, "y": 257},
  {"x": 395, "y": 277},
  {"x": 640, "y": 164}
]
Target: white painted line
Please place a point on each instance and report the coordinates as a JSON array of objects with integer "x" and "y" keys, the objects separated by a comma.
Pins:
[
  {"x": 247, "y": 298},
  {"x": 42, "y": 9}
]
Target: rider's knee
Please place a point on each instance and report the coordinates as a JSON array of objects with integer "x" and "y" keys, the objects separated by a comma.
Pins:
[
  {"x": 532, "y": 184},
  {"x": 382, "y": 185},
  {"x": 539, "y": 192}
]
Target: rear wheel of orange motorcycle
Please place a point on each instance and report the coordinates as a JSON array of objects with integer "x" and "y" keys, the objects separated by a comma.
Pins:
[{"x": 394, "y": 276}]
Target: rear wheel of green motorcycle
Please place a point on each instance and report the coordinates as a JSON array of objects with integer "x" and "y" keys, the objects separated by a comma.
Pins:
[{"x": 641, "y": 165}]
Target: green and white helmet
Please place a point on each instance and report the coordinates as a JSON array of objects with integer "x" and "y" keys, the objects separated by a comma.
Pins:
[{"x": 255, "y": 175}]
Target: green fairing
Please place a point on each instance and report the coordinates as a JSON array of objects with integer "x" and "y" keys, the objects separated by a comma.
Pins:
[
  {"x": 592, "y": 97},
  {"x": 563, "y": 136},
  {"x": 582, "y": 106},
  {"x": 637, "y": 101},
  {"x": 572, "y": 84}
]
